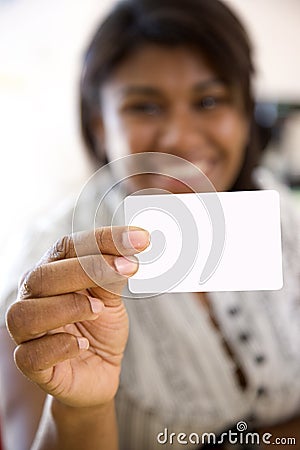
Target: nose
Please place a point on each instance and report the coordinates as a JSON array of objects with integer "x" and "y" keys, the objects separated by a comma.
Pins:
[{"x": 182, "y": 132}]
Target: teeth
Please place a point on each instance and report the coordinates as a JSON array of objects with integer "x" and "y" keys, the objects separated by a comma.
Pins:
[
  {"x": 178, "y": 171},
  {"x": 185, "y": 171}
]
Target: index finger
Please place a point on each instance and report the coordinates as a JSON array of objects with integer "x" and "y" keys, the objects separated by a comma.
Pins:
[{"x": 118, "y": 241}]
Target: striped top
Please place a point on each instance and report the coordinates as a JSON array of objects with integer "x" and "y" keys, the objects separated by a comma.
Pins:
[{"x": 176, "y": 373}]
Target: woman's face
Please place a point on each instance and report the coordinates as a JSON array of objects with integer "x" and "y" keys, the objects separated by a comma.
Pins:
[{"x": 169, "y": 100}]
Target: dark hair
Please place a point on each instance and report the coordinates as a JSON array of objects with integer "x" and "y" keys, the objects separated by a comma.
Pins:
[{"x": 204, "y": 24}]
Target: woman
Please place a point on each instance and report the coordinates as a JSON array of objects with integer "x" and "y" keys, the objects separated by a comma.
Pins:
[{"x": 167, "y": 77}]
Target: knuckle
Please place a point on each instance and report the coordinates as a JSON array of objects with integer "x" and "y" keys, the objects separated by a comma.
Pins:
[
  {"x": 101, "y": 237},
  {"x": 62, "y": 248},
  {"x": 18, "y": 317},
  {"x": 32, "y": 283},
  {"x": 14, "y": 318},
  {"x": 95, "y": 268},
  {"x": 22, "y": 278},
  {"x": 67, "y": 344},
  {"x": 77, "y": 304},
  {"x": 26, "y": 359}
]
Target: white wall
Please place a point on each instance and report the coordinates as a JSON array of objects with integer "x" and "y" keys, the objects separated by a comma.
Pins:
[
  {"x": 41, "y": 155},
  {"x": 41, "y": 42},
  {"x": 274, "y": 26}
]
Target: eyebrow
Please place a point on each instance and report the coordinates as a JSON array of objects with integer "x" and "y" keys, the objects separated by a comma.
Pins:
[
  {"x": 211, "y": 82},
  {"x": 152, "y": 91}
]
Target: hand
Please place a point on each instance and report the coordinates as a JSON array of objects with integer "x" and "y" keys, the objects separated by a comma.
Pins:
[{"x": 70, "y": 324}]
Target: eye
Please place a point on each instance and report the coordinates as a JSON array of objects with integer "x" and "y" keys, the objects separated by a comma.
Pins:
[
  {"x": 146, "y": 108},
  {"x": 210, "y": 102}
]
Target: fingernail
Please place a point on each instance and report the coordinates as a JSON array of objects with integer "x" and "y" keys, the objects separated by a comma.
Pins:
[
  {"x": 135, "y": 239},
  {"x": 96, "y": 305},
  {"x": 125, "y": 266},
  {"x": 83, "y": 343}
]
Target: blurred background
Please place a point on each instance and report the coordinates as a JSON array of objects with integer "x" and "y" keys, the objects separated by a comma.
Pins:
[{"x": 41, "y": 46}]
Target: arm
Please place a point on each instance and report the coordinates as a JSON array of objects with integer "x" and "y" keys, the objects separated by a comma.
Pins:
[{"x": 69, "y": 428}]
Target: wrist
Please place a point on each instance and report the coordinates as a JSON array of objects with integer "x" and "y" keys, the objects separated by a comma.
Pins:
[
  {"x": 75, "y": 427},
  {"x": 65, "y": 413}
]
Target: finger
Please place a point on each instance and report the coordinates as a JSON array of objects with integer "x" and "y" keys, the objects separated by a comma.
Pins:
[
  {"x": 35, "y": 358},
  {"x": 32, "y": 318},
  {"x": 106, "y": 240},
  {"x": 77, "y": 274},
  {"x": 111, "y": 295}
]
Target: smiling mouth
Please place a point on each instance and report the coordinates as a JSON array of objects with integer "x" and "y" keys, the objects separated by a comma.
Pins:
[
  {"x": 187, "y": 177},
  {"x": 188, "y": 171},
  {"x": 197, "y": 175}
]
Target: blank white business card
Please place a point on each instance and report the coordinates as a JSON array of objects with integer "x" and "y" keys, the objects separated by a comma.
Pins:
[{"x": 226, "y": 241}]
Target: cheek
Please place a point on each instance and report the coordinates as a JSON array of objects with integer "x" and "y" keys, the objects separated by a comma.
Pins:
[
  {"x": 233, "y": 131},
  {"x": 128, "y": 137},
  {"x": 230, "y": 134},
  {"x": 141, "y": 135}
]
